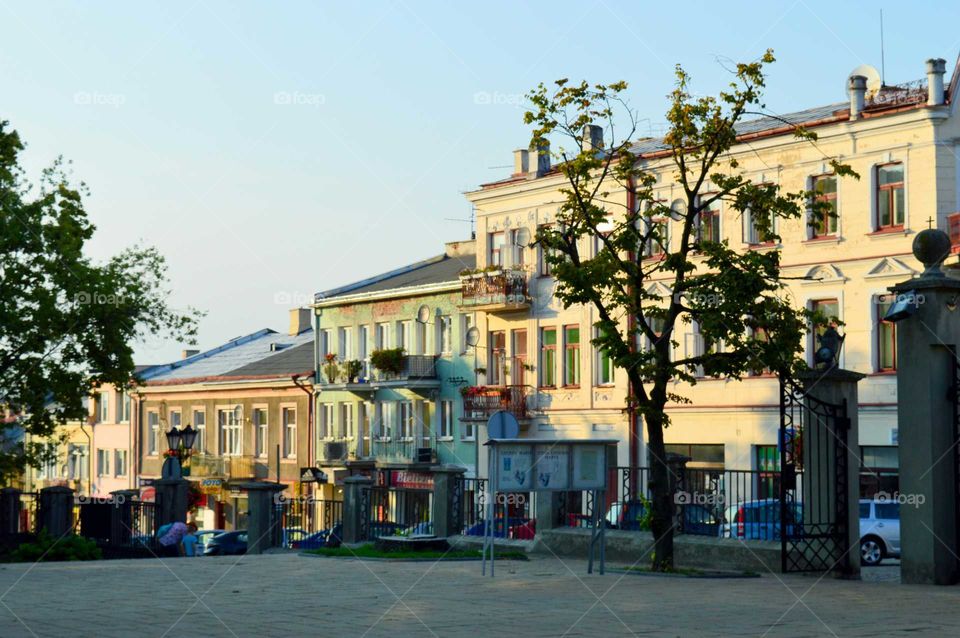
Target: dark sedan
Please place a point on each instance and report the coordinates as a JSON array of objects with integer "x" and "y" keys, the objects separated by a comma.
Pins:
[{"x": 227, "y": 544}]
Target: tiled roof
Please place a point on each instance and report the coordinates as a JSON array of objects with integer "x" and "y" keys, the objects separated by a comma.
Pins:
[
  {"x": 294, "y": 360},
  {"x": 234, "y": 354},
  {"x": 435, "y": 270}
]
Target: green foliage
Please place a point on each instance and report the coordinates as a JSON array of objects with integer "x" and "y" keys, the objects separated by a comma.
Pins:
[
  {"x": 67, "y": 323},
  {"x": 353, "y": 369},
  {"x": 738, "y": 299},
  {"x": 47, "y": 548},
  {"x": 389, "y": 360}
]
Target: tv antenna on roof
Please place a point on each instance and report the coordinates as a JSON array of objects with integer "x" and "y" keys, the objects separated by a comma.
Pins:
[{"x": 470, "y": 220}]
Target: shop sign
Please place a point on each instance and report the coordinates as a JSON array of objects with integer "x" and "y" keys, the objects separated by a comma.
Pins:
[
  {"x": 411, "y": 480},
  {"x": 211, "y": 485}
]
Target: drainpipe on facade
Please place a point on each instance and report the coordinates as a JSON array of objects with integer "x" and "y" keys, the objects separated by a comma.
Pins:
[{"x": 309, "y": 390}]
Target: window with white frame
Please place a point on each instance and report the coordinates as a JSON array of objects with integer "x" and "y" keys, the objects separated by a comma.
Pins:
[
  {"x": 404, "y": 334},
  {"x": 365, "y": 419},
  {"x": 363, "y": 350},
  {"x": 387, "y": 419},
  {"x": 466, "y": 322},
  {"x": 325, "y": 337},
  {"x": 176, "y": 419},
  {"x": 49, "y": 462},
  {"x": 407, "y": 419},
  {"x": 419, "y": 338},
  {"x": 517, "y": 248},
  {"x": 230, "y": 422},
  {"x": 200, "y": 425},
  {"x": 261, "y": 428},
  {"x": 345, "y": 344},
  {"x": 103, "y": 405},
  {"x": 444, "y": 334},
  {"x": 383, "y": 336},
  {"x": 77, "y": 461},
  {"x": 496, "y": 242},
  {"x": 119, "y": 462},
  {"x": 153, "y": 432},
  {"x": 823, "y": 222},
  {"x": 325, "y": 429},
  {"x": 605, "y": 367},
  {"x": 708, "y": 222},
  {"x": 467, "y": 431},
  {"x": 124, "y": 407},
  {"x": 759, "y": 230},
  {"x": 288, "y": 418},
  {"x": 445, "y": 431},
  {"x": 346, "y": 420},
  {"x": 103, "y": 462}
]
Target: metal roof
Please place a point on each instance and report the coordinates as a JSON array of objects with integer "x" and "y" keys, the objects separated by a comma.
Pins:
[
  {"x": 293, "y": 360},
  {"x": 234, "y": 354},
  {"x": 439, "y": 269}
]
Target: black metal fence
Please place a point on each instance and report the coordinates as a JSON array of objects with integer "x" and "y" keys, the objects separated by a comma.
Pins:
[
  {"x": 709, "y": 502},
  {"x": 297, "y": 520},
  {"x": 514, "y": 513},
  {"x": 393, "y": 512}
]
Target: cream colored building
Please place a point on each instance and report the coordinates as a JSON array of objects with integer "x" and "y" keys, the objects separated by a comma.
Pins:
[{"x": 903, "y": 141}]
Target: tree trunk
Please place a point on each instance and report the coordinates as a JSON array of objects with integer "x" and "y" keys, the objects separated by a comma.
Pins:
[{"x": 662, "y": 505}]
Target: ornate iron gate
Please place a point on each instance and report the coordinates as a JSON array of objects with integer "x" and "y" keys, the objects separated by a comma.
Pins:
[{"x": 811, "y": 517}]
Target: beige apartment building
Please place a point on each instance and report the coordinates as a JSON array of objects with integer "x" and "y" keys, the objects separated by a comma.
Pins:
[{"x": 903, "y": 142}]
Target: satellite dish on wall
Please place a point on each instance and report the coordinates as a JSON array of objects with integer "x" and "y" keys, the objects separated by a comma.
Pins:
[
  {"x": 503, "y": 425},
  {"x": 522, "y": 236},
  {"x": 423, "y": 313},
  {"x": 473, "y": 336},
  {"x": 873, "y": 79}
]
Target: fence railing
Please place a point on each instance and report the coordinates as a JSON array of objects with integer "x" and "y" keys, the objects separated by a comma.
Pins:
[
  {"x": 708, "y": 502},
  {"x": 513, "y": 513},
  {"x": 299, "y": 519},
  {"x": 482, "y": 401},
  {"x": 393, "y": 512},
  {"x": 499, "y": 287}
]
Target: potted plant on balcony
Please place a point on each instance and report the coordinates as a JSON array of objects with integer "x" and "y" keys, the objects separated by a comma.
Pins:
[
  {"x": 331, "y": 369},
  {"x": 389, "y": 361},
  {"x": 353, "y": 369}
]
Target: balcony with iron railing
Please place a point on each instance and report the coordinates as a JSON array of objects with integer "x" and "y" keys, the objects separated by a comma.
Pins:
[
  {"x": 227, "y": 467},
  {"x": 479, "y": 402},
  {"x": 403, "y": 450},
  {"x": 415, "y": 371},
  {"x": 497, "y": 290}
]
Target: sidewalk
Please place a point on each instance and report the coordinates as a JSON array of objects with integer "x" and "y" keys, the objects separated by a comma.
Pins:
[{"x": 284, "y": 594}]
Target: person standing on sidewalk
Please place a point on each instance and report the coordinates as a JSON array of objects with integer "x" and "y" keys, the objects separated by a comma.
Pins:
[{"x": 171, "y": 541}]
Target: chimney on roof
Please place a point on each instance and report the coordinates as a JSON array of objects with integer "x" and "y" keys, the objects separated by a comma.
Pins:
[
  {"x": 299, "y": 320},
  {"x": 858, "y": 92},
  {"x": 521, "y": 162},
  {"x": 460, "y": 248},
  {"x": 543, "y": 158},
  {"x": 188, "y": 353},
  {"x": 592, "y": 137},
  {"x": 936, "y": 67}
]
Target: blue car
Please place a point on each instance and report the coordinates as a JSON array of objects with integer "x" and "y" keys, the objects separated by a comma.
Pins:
[
  {"x": 501, "y": 526},
  {"x": 697, "y": 519},
  {"x": 331, "y": 537},
  {"x": 760, "y": 520}
]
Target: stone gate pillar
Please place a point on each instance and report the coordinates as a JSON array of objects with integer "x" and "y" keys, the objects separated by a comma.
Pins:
[
  {"x": 171, "y": 500},
  {"x": 446, "y": 509},
  {"x": 263, "y": 530},
  {"x": 928, "y": 340},
  {"x": 56, "y": 510},
  {"x": 9, "y": 510},
  {"x": 824, "y": 441},
  {"x": 353, "y": 497}
]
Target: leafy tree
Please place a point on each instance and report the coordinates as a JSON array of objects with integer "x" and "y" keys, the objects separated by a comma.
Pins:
[
  {"x": 67, "y": 324},
  {"x": 736, "y": 298}
]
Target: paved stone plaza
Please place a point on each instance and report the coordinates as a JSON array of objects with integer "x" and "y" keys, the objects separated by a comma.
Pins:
[{"x": 292, "y": 595}]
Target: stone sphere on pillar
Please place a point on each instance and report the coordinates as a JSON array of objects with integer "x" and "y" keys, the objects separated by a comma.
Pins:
[{"x": 931, "y": 246}]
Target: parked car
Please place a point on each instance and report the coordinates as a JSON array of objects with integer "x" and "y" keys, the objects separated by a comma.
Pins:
[
  {"x": 330, "y": 537},
  {"x": 879, "y": 531},
  {"x": 697, "y": 519},
  {"x": 760, "y": 520},
  {"x": 420, "y": 529},
  {"x": 501, "y": 526},
  {"x": 227, "y": 544},
  {"x": 204, "y": 536}
]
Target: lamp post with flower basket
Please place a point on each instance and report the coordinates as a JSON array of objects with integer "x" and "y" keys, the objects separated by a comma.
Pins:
[{"x": 180, "y": 447}]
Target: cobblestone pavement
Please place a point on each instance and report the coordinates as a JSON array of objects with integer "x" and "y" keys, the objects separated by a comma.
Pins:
[{"x": 292, "y": 595}]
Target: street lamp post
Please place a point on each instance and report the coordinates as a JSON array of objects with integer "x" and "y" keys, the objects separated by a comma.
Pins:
[{"x": 180, "y": 444}]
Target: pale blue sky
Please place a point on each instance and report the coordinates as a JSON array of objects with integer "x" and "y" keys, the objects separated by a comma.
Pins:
[{"x": 271, "y": 150}]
